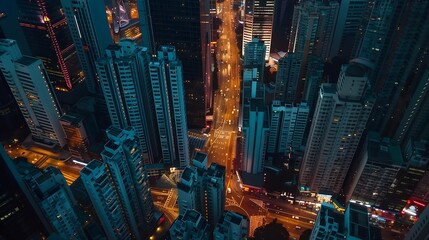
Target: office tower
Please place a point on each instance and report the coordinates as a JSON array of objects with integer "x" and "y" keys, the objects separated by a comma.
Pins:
[
  {"x": 331, "y": 224},
  {"x": 255, "y": 133},
  {"x": 30, "y": 85},
  {"x": 77, "y": 140},
  {"x": 190, "y": 226},
  {"x": 124, "y": 78},
  {"x": 145, "y": 20},
  {"x": 339, "y": 120},
  {"x": 395, "y": 77},
  {"x": 348, "y": 26},
  {"x": 287, "y": 78},
  {"x": 89, "y": 29},
  {"x": 413, "y": 124},
  {"x": 200, "y": 161},
  {"x": 231, "y": 226},
  {"x": 258, "y": 22},
  {"x": 379, "y": 163},
  {"x": 214, "y": 194},
  {"x": 312, "y": 33},
  {"x": 287, "y": 126},
  {"x": 17, "y": 217},
  {"x": 420, "y": 229},
  {"x": 48, "y": 36},
  {"x": 123, "y": 19},
  {"x": 167, "y": 86},
  {"x": 10, "y": 29},
  {"x": 122, "y": 154},
  {"x": 187, "y": 192},
  {"x": 56, "y": 201},
  {"x": 282, "y": 21},
  {"x": 185, "y": 26},
  {"x": 253, "y": 73},
  {"x": 105, "y": 200}
]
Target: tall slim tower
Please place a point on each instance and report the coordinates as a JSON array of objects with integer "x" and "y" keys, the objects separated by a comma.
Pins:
[
  {"x": 339, "y": 120},
  {"x": 89, "y": 29},
  {"x": 57, "y": 202},
  {"x": 258, "y": 22},
  {"x": 124, "y": 77},
  {"x": 214, "y": 190},
  {"x": 287, "y": 78},
  {"x": 170, "y": 26},
  {"x": 106, "y": 201},
  {"x": 167, "y": 86},
  {"x": 255, "y": 134},
  {"x": 122, "y": 154},
  {"x": 187, "y": 192},
  {"x": 30, "y": 85},
  {"x": 49, "y": 38}
]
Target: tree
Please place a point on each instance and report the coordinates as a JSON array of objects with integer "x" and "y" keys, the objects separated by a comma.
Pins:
[
  {"x": 272, "y": 230},
  {"x": 305, "y": 235}
]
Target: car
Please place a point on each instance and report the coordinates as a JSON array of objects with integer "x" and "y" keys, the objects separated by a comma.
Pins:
[
  {"x": 228, "y": 190},
  {"x": 312, "y": 222},
  {"x": 298, "y": 227}
]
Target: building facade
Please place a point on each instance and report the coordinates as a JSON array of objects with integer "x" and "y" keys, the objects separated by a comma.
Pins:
[
  {"x": 32, "y": 90},
  {"x": 339, "y": 120},
  {"x": 89, "y": 29},
  {"x": 231, "y": 226},
  {"x": 287, "y": 78}
]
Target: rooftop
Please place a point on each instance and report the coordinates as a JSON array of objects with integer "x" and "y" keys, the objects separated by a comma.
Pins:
[
  {"x": 200, "y": 156},
  {"x": 26, "y": 60}
]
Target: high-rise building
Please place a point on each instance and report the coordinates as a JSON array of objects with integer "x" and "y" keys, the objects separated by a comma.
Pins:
[
  {"x": 214, "y": 194},
  {"x": 348, "y": 26},
  {"x": 339, "y": 120},
  {"x": 167, "y": 86},
  {"x": 312, "y": 33},
  {"x": 48, "y": 36},
  {"x": 255, "y": 134},
  {"x": 105, "y": 200},
  {"x": 122, "y": 154},
  {"x": 187, "y": 192},
  {"x": 258, "y": 22},
  {"x": 312, "y": 82},
  {"x": 282, "y": 21},
  {"x": 56, "y": 201},
  {"x": 203, "y": 189},
  {"x": 253, "y": 75},
  {"x": 190, "y": 225},
  {"x": 17, "y": 217},
  {"x": 379, "y": 163},
  {"x": 89, "y": 29},
  {"x": 356, "y": 222},
  {"x": 171, "y": 21},
  {"x": 231, "y": 226},
  {"x": 287, "y": 127},
  {"x": 30, "y": 85},
  {"x": 398, "y": 49},
  {"x": 124, "y": 78},
  {"x": 287, "y": 78},
  {"x": 76, "y": 137}
]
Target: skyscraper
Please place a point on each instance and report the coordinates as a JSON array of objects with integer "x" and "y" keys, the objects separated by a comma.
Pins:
[
  {"x": 255, "y": 133},
  {"x": 122, "y": 154},
  {"x": 312, "y": 34},
  {"x": 48, "y": 36},
  {"x": 167, "y": 86},
  {"x": 57, "y": 202},
  {"x": 214, "y": 194},
  {"x": 124, "y": 78},
  {"x": 30, "y": 85},
  {"x": 105, "y": 200},
  {"x": 258, "y": 22},
  {"x": 89, "y": 29},
  {"x": 187, "y": 192},
  {"x": 75, "y": 134},
  {"x": 287, "y": 78},
  {"x": 288, "y": 124},
  {"x": 339, "y": 120},
  {"x": 282, "y": 21},
  {"x": 185, "y": 26}
]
